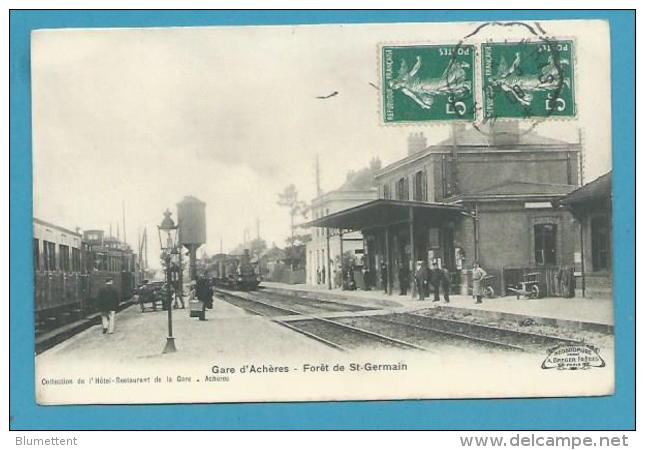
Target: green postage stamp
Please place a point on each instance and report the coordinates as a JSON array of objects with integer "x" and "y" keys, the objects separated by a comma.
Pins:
[
  {"x": 427, "y": 83},
  {"x": 528, "y": 79}
]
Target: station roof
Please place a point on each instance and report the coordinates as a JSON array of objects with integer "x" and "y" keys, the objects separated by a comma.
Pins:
[
  {"x": 384, "y": 212},
  {"x": 58, "y": 227}
]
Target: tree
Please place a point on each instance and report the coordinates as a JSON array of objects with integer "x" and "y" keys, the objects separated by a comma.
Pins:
[
  {"x": 298, "y": 239},
  {"x": 289, "y": 199},
  {"x": 296, "y": 256},
  {"x": 255, "y": 247}
]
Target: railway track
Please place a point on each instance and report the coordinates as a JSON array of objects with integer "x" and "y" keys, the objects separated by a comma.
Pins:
[
  {"x": 310, "y": 303},
  {"x": 523, "y": 339},
  {"x": 408, "y": 330},
  {"x": 330, "y": 332}
]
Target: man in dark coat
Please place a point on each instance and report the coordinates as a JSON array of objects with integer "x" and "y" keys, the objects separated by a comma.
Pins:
[
  {"x": 384, "y": 276},
  {"x": 404, "y": 278},
  {"x": 435, "y": 280},
  {"x": 421, "y": 279},
  {"x": 107, "y": 302},
  {"x": 445, "y": 284},
  {"x": 205, "y": 295}
]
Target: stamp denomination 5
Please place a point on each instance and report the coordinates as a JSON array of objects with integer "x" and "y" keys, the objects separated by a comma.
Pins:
[
  {"x": 528, "y": 79},
  {"x": 427, "y": 83}
]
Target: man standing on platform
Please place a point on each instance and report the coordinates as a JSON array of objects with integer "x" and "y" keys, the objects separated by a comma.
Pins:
[
  {"x": 107, "y": 303},
  {"x": 435, "y": 280},
  {"x": 204, "y": 295},
  {"x": 445, "y": 284},
  {"x": 479, "y": 276},
  {"x": 421, "y": 279},
  {"x": 384, "y": 276},
  {"x": 404, "y": 278}
]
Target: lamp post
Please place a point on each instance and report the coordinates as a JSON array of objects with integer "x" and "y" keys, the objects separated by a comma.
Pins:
[{"x": 169, "y": 248}]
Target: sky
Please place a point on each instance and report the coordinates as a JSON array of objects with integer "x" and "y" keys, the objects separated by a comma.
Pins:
[{"x": 136, "y": 119}]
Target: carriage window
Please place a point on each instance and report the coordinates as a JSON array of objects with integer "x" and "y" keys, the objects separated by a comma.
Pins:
[
  {"x": 101, "y": 261},
  {"x": 49, "y": 253},
  {"x": 545, "y": 243},
  {"x": 64, "y": 257},
  {"x": 420, "y": 185},
  {"x": 36, "y": 254},
  {"x": 76, "y": 260}
]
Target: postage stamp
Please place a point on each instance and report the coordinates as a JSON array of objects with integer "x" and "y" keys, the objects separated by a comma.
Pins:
[
  {"x": 427, "y": 83},
  {"x": 528, "y": 79}
]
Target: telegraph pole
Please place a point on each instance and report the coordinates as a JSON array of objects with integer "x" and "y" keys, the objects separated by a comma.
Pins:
[
  {"x": 318, "y": 190},
  {"x": 123, "y": 212}
]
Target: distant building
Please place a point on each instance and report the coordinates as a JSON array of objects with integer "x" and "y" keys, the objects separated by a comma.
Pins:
[{"x": 323, "y": 250}]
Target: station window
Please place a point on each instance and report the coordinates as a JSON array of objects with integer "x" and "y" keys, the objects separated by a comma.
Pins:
[
  {"x": 36, "y": 254},
  {"x": 420, "y": 186},
  {"x": 402, "y": 191},
  {"x": 545, "y": 243},
  {"x": 386, "y": 191},
  {"x": 49, "y": 253},
  {"x": 600, "y": 243}
]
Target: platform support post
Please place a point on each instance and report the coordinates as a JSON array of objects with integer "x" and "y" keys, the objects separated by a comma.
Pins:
[
  {"x": 326, "y": 263},
  {"x": 413, "y": 258},
  {"x": 342, "y": 260},
  {"x": 388, "y": 263}
]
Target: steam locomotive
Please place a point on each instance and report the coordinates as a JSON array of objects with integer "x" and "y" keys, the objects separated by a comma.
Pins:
[{"x": 236, "y": 272}]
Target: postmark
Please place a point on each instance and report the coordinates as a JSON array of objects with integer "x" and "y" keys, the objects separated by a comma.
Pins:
[
  {"x": 428, "y": 83},
  {"x": 573, "y": 357},
  {"x": 528, "y": 79}
]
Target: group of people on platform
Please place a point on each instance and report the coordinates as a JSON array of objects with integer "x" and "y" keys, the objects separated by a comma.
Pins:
[
  {"x": 424, "y": 278},
  {"x": 436, "y": 278},
  {"x": 107, "y": 300},
  {"x": 201, "y": 289}
]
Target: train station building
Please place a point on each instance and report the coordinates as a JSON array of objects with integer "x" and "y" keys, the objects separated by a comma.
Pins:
[{"x": 488, "y": 195}]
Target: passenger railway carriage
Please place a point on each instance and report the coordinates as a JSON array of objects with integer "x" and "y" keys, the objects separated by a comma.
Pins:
[{"x": 70, "y": 268}]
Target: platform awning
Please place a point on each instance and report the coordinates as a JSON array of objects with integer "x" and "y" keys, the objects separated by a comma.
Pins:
[
  {"x": 597, "y": 190},
  {"x": 382, "y": 213}
]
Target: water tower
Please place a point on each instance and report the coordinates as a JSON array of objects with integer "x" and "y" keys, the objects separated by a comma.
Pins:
[{"x": 191, "y": 217}]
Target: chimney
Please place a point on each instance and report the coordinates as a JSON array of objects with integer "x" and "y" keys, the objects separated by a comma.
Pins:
[
  {"x": 417, "y": 142},
  {"x": 456, "y": 130},
  {"x": 505, "y": 133}
]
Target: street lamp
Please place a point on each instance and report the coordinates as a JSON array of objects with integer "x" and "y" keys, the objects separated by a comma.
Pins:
[{"x": 168, "y": 233}]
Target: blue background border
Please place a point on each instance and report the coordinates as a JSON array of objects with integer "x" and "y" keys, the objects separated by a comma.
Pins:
[{"x": 614, "y": 412}]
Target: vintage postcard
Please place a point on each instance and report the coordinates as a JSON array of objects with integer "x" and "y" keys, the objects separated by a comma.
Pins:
[{"x": 322, "y": 212}]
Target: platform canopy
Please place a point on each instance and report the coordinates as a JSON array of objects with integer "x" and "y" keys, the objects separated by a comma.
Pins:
[
  {"x": 597, "y": 190},
  {"x": 383, "y": 213}
]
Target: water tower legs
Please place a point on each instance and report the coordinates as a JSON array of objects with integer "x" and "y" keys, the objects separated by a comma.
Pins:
[{"x": 192, "y": 258}]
